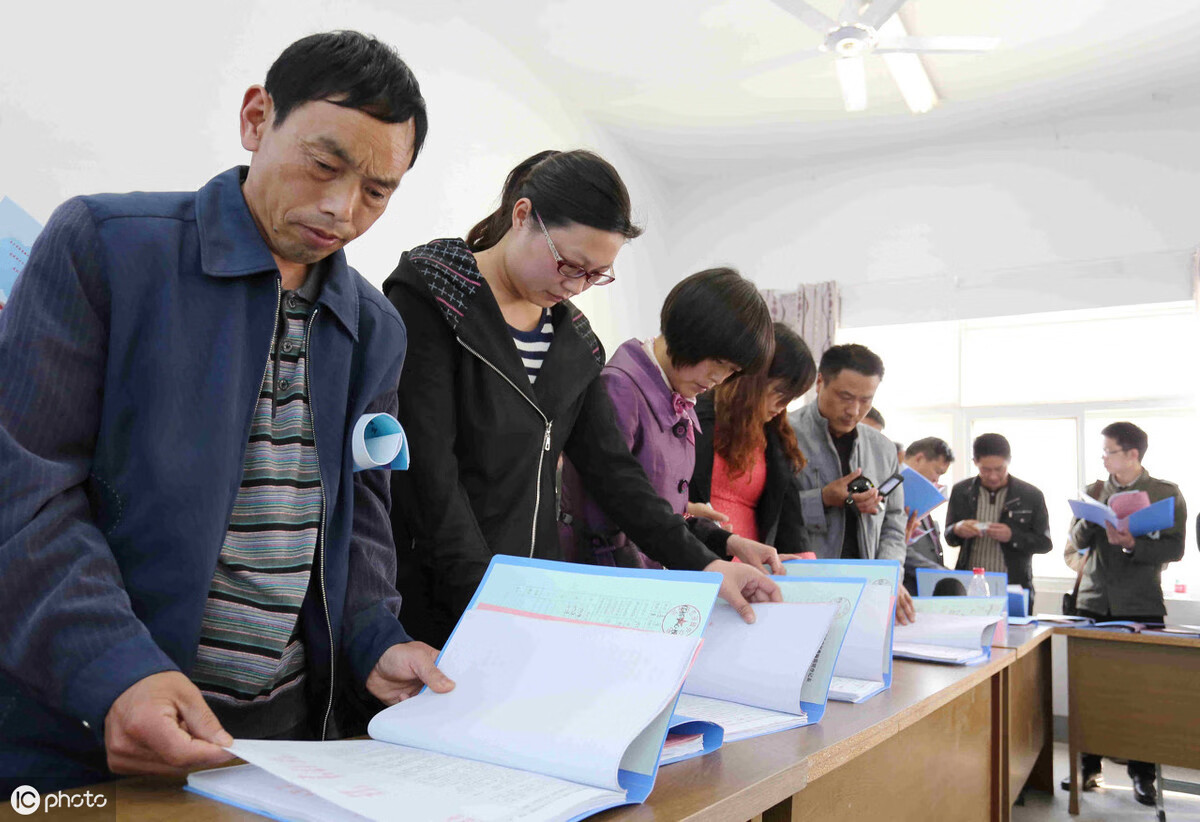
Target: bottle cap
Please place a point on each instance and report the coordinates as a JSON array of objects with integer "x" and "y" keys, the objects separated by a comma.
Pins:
[{"x": 977, "y": 570}]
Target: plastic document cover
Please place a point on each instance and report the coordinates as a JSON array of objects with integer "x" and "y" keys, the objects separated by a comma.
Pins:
[
  {"x": 566, "y": 679},
  {"x": 864, "y": 666}
]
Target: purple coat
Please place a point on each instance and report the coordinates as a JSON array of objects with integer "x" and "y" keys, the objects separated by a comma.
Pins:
[{"x": 646, "y": 416}]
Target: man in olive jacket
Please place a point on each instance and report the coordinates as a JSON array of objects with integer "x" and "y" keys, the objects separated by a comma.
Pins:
[{"x": 1122, "y": 576}]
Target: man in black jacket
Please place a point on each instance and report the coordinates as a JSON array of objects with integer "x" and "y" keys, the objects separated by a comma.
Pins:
[{"x": 999, "y": 520}]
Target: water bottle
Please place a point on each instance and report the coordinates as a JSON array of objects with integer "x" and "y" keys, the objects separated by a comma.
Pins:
[{"x": 978, "y": 586}]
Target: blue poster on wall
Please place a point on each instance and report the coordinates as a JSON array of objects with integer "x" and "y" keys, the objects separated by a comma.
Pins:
[{"x": 17, "y": 232}]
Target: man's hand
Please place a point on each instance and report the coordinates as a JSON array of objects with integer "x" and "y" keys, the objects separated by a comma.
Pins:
[
  {"x": 162, "y": 725},
  {"x": 801, "y": 555},
  {"x": 403, "y": 670},
  {"x": 1000, "y": 532},
  {"x": 834, "y": 494},
  {"x": 1119, "y": 537},
  {"x": 906, "y": 612},
  {"x": 706, "y": 511},
  {"x": 755, "y": 553},
  {"x": 867, "y": 502},
  {"x": 743, "y": 584},
  {"x": 967, "y": 528},
  {"x": 911, "y": 526}
]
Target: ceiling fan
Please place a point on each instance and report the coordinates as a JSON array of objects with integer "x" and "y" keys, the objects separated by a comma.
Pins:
[{"x": 875, "y": 28}]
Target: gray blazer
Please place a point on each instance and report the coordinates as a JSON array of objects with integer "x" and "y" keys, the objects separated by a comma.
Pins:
[{"x": 881, "y": 535}]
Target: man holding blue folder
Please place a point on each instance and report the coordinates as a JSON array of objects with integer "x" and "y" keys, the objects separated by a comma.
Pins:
[{"x": 1122, "y": 576}]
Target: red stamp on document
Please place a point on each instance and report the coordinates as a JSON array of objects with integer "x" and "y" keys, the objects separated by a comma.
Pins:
[{"x": 682, "y": 620}]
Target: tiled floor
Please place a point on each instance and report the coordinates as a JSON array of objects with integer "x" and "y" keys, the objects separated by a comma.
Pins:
[{"x": 1112, "y": 803}]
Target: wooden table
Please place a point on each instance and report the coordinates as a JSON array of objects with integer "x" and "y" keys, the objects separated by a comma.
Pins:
[
  {"x": 1133, "y": 696},
  {"x": 931, "y": 747},
  {"x": 916, "y": 751},
  {"x": 1029, "y": 713}
]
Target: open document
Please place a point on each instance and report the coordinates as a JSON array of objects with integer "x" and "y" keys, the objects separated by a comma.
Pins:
[
  {"x": 1131, "y": 510},
  {"x": 932, "y": 583},
  {"x": 566, "y": 679},
  {"x": 864, "y": 666},
  {"x": 954, "y": 630},
  {"x": 920, "y": 495},
  {"x": 774, "y": 674}
]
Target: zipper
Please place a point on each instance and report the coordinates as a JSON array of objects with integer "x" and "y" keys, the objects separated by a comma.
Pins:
[
  {"x": 320, "y": 534},
  {"x": 537, "y": 490}
]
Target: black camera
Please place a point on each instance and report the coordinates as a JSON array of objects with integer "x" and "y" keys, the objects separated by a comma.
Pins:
[{"x": 859, "y": 484}]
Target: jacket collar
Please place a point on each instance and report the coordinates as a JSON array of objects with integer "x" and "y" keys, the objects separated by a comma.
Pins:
[
  {"x": 1139, "y": 484},
  {"x": 231, "y": 246},
  {"x": 1012, "y": 493},
  {"x": 810, "y": 415},
  {"x": 447, "y": 271},
  {"x": 632, "y": 359}
]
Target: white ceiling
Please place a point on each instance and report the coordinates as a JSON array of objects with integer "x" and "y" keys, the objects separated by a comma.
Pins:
[{"x": 677, "y": 81}]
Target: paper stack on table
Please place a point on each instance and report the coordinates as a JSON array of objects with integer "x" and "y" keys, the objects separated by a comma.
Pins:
[
  {"x": 566, "y": 680},
  {"x": 955, "y": 630},
  {"x": 774, "y": 674},
  {"x": 864, "y": 666}
]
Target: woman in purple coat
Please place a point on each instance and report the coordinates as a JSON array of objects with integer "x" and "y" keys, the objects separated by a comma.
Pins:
[{"x": 714, "y": 325}]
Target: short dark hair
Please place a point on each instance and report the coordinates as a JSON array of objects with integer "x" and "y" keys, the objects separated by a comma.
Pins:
[
  {"x": 949, "y": 587},
  {"x": 565, "y": 187},
  {"x": 1128, "y": 436},
  {"x": 717, "y": 314},
  {"x": 932, "y": 448},
  {"x": 856, "y": 357},
  {"x": 876, "y": 417},
  {"x": 350, "y": 69},
  {"x": 991, "y": 445},
  {"x": 792, "y": 362}
]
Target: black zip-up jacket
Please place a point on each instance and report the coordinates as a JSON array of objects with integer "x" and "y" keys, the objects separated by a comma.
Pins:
[
  {"x": 485, "y": 442},
  {"x": 778, "y": 515},
  {"x": 1024, "y": 513}
]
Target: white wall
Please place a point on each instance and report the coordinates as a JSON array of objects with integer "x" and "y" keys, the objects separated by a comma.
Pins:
[
  {"x": 126, "y": 96},
  {"x": 1092, "y": 212}
]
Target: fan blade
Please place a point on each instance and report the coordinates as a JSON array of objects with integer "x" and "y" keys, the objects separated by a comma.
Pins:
[
  {"x": 879, "y": 11},
  {"x": 852, "y": 77},
  {"x": 913, "y": 82},
  {"x": 807, "y": 15},
  {"x": 936, "y": 45},
  {"x": 850, "y": 11}
]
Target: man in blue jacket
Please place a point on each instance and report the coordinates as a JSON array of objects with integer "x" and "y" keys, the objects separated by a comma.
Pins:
[{"x": 185, "y": 551}]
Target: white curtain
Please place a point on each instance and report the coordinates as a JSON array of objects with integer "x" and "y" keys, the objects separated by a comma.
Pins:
[{"x": 812, "y": 311}]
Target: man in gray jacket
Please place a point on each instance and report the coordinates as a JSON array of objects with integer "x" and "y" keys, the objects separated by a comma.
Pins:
[{"x": 839, "y": 521}]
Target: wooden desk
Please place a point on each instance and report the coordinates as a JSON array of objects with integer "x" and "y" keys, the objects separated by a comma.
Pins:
[
  {"x": 1132, "y": 696},
  {"x": 930, "y": 747},
  {"x": 1029, "y": 713},
  {"x": 917, "y": 751}
]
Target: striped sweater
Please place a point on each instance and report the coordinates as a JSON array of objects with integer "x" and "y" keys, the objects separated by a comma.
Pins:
[{"x": 250, "y": 651}]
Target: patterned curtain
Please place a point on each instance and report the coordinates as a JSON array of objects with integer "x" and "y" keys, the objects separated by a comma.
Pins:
[{"x": 812, "y": 310}]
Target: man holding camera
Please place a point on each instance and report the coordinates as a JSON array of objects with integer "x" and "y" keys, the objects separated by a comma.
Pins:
[{"x": 845, "y": 515}]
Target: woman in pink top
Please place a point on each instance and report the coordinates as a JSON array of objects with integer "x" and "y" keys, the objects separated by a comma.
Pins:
[{"x": 746, "y": 453}]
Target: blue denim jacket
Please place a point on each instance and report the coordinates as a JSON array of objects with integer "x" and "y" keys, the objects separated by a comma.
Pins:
[{"x": 133, "y": 352}]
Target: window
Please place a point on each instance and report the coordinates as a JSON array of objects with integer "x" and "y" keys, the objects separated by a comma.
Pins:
[{"x": 1049, "y": 382}]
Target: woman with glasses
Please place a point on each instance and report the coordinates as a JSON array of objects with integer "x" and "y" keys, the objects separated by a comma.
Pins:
[
  {"x": 747, "y": 454},
  {"x": 500, "y": 379},
  {"x": 713, "y": 325}
]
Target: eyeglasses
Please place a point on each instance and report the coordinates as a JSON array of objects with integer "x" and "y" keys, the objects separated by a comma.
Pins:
[
  {"x": 1108, "y": 453},
  {"x": 572, "y": 271}
]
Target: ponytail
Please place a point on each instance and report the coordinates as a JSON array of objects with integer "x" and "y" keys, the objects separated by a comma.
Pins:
[{"x": 565, "y": 187}]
